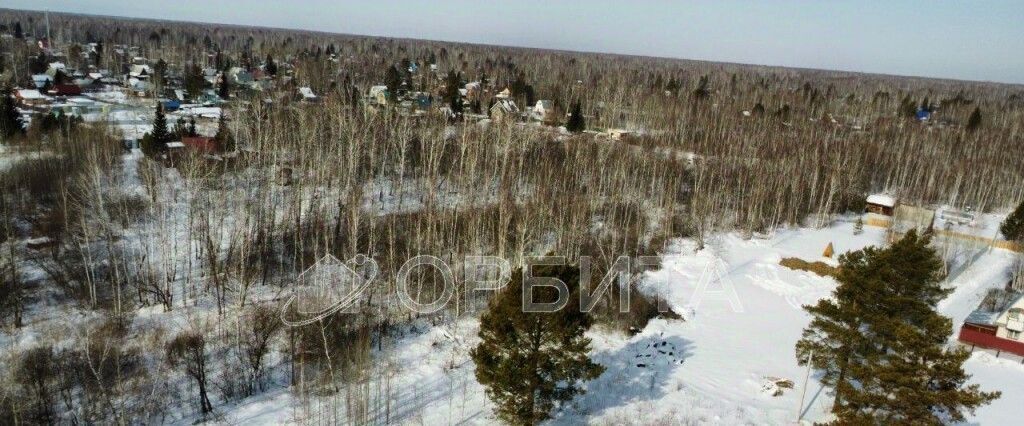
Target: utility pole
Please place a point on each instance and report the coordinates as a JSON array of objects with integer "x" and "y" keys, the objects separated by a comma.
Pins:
[{"x": 803, "y": 393}]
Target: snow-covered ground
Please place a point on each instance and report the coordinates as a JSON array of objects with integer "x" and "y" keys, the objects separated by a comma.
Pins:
[{"x": 719, "y": 366}]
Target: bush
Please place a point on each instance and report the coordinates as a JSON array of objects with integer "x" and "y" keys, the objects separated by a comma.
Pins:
[{"x": 820, "y": 268}]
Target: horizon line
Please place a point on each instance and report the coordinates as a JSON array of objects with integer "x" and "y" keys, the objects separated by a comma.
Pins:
[{"x": 483, "y": 44}]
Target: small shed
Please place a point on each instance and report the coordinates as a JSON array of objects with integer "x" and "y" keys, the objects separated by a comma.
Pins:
[
  {"x": 171, "y": 105},
  {"x": 923, "y": 114},
  {"x": 618, "y": 134},
  {"x": 307, "y": 94},
  {"x": 200, "y": 143},
  {"x": 883, "y": 204}
]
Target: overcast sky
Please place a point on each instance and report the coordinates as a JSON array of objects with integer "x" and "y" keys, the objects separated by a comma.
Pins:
[{"x": 963, "y": 39}]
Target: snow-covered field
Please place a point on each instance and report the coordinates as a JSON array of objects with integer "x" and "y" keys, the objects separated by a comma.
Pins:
[{"x": 719, "y": 366}]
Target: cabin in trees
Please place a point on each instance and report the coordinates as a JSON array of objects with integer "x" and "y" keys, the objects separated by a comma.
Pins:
[
  {"x": 504, "y": 110},
  {"x": 31, "y": 97},
  {"x": 201, "y": 144},
  {"x": 998, "y": 324},
  {"x": 306, "y": 94},
  {"x": 882, "y": 204},
  {"x": 617, "y": 134},
  {"x": 543, "y": 111},
  {"x": 379, "y": 95}
]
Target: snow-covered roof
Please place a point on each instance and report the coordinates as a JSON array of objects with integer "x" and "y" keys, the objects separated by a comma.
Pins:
[
  {"x": 882, "y": 200},
  {"x": 30, "y": 94},
  {"x": 138, "y": 70},
  {"x": 175, "y": 145},
  {"x": 205, "y": 112},
  {"x": 307, "y": 93},
  {"x": 985, "y": 316},
  {"x": 506, "y": 105}
]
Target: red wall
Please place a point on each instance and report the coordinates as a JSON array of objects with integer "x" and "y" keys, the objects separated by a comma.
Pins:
[
  {"x": 985, "y": 340},
  {"x": 207, "y": 145}
]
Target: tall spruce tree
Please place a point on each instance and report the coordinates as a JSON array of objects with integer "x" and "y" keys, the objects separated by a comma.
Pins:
[
  {"x": 270, "y": 67},
  {"x": 457, "y": 106},
  {"x": 576, "y": 122},
  {"x": 195, "y": 82},
  {"x": 393, "y": 80},
  {"x": 11, "y": 123},
  {"x": 528, "y": 361},
  {"x": 1013, "y": 227},
  {"x": 451, "y": 85},
  {"x": 881, "y": 343},
  {"x": 160, "y": 135},
  {"x": 974, "y": 121},
  {"x": 225, "y": 141},
  {"x": 224, "y": 91}
]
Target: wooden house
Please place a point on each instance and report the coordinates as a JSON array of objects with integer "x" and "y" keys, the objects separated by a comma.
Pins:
[
  {"x": 201, "y": 144},
  {"x": 998, "y": 324},
  {"x": 504, "y": 110},
  {"x": 882, "y": 204}
]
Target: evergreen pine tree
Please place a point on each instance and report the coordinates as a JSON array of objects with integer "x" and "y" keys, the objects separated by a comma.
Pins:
[
  {"x": 11, "y": 123},
  {"x": 1013, "y": 227},
  {"x": 907, "y": 108},
  {"x": 833, "y": 341},
  {"x": 224, "y": 91},
  {"x": 59, "y": 77},
  {"x": 452, "y": 84},
  {"x": 393, "y": 80},
  {"x": 195, "y": 82},
  {"x": 160, "y": 134},
  {"x": 881, "y": 343},
  {"x": 528, "y": 361},
  {"x": 702, "y": 91},
  {"x": 225, "y": 141},
  {"x": 18, "y": 32},
  {"x": 270, "y": 67},
  {"x": 576, "y": 122},
  {"x": 191, "y": 130},
  {"x": 974, "y": 121},
  {"x": 456, "y": 106},
  {"x": 911, "y": 375}
]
